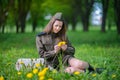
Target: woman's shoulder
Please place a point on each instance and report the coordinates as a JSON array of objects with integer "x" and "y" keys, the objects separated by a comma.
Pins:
[{"x": 41, "y": 34}]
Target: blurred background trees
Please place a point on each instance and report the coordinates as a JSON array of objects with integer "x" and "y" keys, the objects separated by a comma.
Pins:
[{"x": 17, "y": 14}]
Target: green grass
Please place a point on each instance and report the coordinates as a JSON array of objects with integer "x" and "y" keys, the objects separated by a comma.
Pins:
[{"x": 99, "y": 49}]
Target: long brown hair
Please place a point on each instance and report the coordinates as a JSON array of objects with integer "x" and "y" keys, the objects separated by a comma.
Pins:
[{"x": 62, "y": 33}]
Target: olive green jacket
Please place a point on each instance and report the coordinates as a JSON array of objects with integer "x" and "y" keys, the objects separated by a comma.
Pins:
[{"x": 45, "y": 46}]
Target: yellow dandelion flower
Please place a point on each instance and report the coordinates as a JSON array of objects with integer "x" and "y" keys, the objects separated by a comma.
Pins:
[
  {"x": 37, "y": 65},
  {"x": 45, "y": 69},
  {"x": 19, "y": 73},
  {"x": 94, "y": 74},
  {"x": 1, "y": 78},
  {"x": 54, "y": 71},
  {"x": 61, "y": 43},
  {"x": 113, "y": 76},
  {"x": 76, "y": 72},
  {"x": 21, "y": 62},
  {"x": 41, "y": 78},
  {"x": 35, "y": 71},
  {"x": 50, "y": 79},
  {"x": 41, "y": 73},
  {"x": 29, "y": 75}
]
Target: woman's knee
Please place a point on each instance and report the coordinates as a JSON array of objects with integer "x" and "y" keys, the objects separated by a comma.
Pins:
[
  {"x": 69, "y": 70},
  {"x": 72, "y": 70},
  {"x": 78, "y": 63}
]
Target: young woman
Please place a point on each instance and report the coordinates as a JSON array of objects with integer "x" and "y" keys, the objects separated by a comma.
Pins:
[{"x": 49, "y": 47}]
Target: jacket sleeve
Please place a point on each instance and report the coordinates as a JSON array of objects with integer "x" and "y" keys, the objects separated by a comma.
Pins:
[
  {"x": 70, "y": 49},
  {"x": 41, "y": 49}
]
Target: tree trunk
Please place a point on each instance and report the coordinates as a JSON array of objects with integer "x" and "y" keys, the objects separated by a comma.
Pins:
[
  {"x": 103, "y": 22},
  {"x": 117, "y": 14},
  {"x": 17, "y": 26},
  {"x": 109, "y": 24},
  {"x": 85, "y": 21},
  {"x": 23, "y": 26},
  {"x": 105, "y": 4},
  {"x": 85, "y": 11},
  {"x": 85, "y": 28},
  {"x": 3, "y": 29},
  {"x": 73, "y": 26},
  {"x": 118, "y": 27},
  {"x": 34, "y": 24},
  {"x": 74, "y": 22},
  {"x": 23, "y": 8}
]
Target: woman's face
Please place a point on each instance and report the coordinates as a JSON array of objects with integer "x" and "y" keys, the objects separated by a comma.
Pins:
[{"x": 57, "y": 26}]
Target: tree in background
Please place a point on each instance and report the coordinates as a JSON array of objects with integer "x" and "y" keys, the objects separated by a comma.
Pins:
[
  {"x": 18, "y": 11},
  {"x": 72, "y": 9},
  {"x": 73, "y": 17},
  {"x": 110, "y": 15},
  {"x": 85, "y": 8},
  {"x": 15, "y": 12},
  {"x": 23, "y": 9},
  {"x": 53, "y": 6},
  {"x": 4, "y": 7},
  {"x": 105, "y": 4},
  {"x": 36, "y": 13},
  {"x": 117, "y": 14}
]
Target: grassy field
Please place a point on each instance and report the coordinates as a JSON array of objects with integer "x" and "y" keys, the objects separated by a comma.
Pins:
[{"x": 99, "y": 49}]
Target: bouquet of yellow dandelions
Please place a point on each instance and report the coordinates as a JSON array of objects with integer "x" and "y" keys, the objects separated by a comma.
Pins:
[{"x": 61, "y": 43}]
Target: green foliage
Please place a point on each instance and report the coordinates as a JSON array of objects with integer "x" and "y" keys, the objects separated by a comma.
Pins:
[
  {"x": 53, "y": 6},
  {"x": 100, "y": 50}
]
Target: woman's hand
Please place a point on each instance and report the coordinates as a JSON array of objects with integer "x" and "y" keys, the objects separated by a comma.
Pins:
[
  {"x": 57, "y": 48},
  {"x": 64, "y": 47}
]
